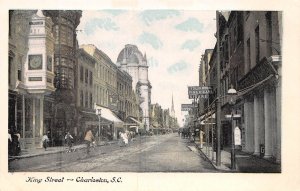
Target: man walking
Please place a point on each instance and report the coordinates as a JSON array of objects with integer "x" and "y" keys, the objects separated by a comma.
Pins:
[{"x": 89, "y": 137}]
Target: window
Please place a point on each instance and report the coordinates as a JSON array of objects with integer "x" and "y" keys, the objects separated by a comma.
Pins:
[
  {"x": 248, "y": 67},
  {"x": 86, "y": 76},
  {"x": 257, "y": 52},
  {"x": 269, "y": 33},
  {"x": 91, "y": 100},
  {"x": 86, "y": 99},
  {"x": 49, "y": 63},
  {"x": 91, "y": 78},
  {"x": 81, "y": 98},
  {"x": 81, "y": 73}
]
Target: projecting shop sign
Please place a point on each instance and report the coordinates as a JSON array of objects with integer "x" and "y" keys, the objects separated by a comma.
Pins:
[
  {"x": 205, "y": 96},
  {"x": 187, "y": 107},
  {"x": 199, "y": 90}
]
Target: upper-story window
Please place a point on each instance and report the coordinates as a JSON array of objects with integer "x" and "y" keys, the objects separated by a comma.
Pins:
[
  {"x": 86, "y": 99},
  {"x": 91, "y": 78},
  {"x": 81, "y": 98},
  {"x": 81, "y": 73},
  {"x": 91, "y": 100},
  {"x": 20, "y": 69},
  {"x": 86, "y": 76},
  {"x": 49, "y": 63},
  {"x": 257, "y": 51},
  {"x": 269, "y": 32},
  {"x": 248, "y": 56}
]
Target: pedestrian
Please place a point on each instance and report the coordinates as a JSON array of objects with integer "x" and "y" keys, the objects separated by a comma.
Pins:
[
  {"x": 125, "y": 138},
  {"x": 120, "y": 143},
  {"x": 89, "y": 137},
  {"x": 15, "y": 144},
  {"x": 9, "y": 143},
  {"x": 17, "y": 136},
  {"x": 45, "y": 141},
  {"x": 69, "y": 140}
]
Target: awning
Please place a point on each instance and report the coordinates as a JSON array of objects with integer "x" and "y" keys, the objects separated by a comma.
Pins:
[
  {"x": 209, "y": 120},
  {"x": 139, "y": 124},
  {"x": 110, "y": 116}
]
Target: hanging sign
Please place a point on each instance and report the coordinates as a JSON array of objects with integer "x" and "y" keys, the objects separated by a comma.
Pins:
[
  {"x": 187, "y": 107},
  {"x": 199, "y": 90}
]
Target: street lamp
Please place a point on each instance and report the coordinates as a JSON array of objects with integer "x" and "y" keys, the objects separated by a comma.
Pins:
[
  {"x": 98, "y": 112},
  {"x": 232, "y": 96}
]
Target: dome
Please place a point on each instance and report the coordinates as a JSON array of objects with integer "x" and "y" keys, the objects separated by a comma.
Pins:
[
  {"x": 133, "y": 59},
  {"x": 130, "y": 54}
]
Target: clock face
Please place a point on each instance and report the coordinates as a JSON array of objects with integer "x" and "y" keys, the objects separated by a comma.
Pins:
[{"x": 35, "y": 62}]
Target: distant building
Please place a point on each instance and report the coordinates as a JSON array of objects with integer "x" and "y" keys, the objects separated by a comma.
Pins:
[
  {"x": 132, "y": 61},
  {"x": 113, "y": 93}
]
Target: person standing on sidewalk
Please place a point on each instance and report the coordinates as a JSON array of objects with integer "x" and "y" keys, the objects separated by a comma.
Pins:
[
  {"x": 89, "y": 137},
  {"x": 9, "y": 143},
  {"x": 45, "y": 141},
  {"x": 69, "y": 140}
]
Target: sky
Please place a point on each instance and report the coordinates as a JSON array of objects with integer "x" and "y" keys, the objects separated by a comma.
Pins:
[{"x": 173, "y": 41}]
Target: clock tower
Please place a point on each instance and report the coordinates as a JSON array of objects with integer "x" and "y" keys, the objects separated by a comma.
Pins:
[
  {"x": 39, "y": 71},
  {"x": 37, "y": 80}
]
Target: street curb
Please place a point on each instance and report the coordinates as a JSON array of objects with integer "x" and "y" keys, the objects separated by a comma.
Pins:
[
  {"x": 58, "y": 151},
  {"x": 215, "y": 166}
]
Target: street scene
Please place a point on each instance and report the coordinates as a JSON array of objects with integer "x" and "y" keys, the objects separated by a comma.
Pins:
[
  {"x": 165, "y": 153},
  {"x": 144, "y": 91}
]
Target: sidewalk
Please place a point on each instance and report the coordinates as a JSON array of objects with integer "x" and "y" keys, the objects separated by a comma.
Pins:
[
  {"x": 245, "y": 162},
  {"x": 26, "y": 153}
]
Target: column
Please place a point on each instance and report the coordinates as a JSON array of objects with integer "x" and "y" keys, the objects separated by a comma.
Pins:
[
  {"x": 33, "y": 122},
  {"x": 270, "y": 121},
  {"x": 23, "y": 117},
  {"x": 41, "y": 117},
  {"x": 258, "y": 121},
  {"x": 249, "y": 126}
]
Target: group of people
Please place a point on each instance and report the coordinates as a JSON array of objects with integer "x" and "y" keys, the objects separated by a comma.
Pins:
[
  {"x": 68, "y": 139},
  {"x": 125, "y": 138},
  {"x": 14, "y": 148}
]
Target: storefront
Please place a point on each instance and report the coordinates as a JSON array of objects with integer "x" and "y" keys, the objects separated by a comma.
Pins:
[{"x": 112, "y": 125}]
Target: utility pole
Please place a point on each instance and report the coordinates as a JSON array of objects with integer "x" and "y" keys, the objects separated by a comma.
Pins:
[{"x": 218, "y": 101}]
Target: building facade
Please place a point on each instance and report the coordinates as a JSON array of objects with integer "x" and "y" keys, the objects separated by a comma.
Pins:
[
  {"x": 262, "y": 72},
  {"x": 113, "y": 92},
  {"x": 63, "y": 100},
  {"x": 250, "y": 62},
  {"x": 85, "y": 98},
  {"x": 31, "y": 74},
  {"x": 132, "y": 61},
  {"x": 127, "y": 100}
]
